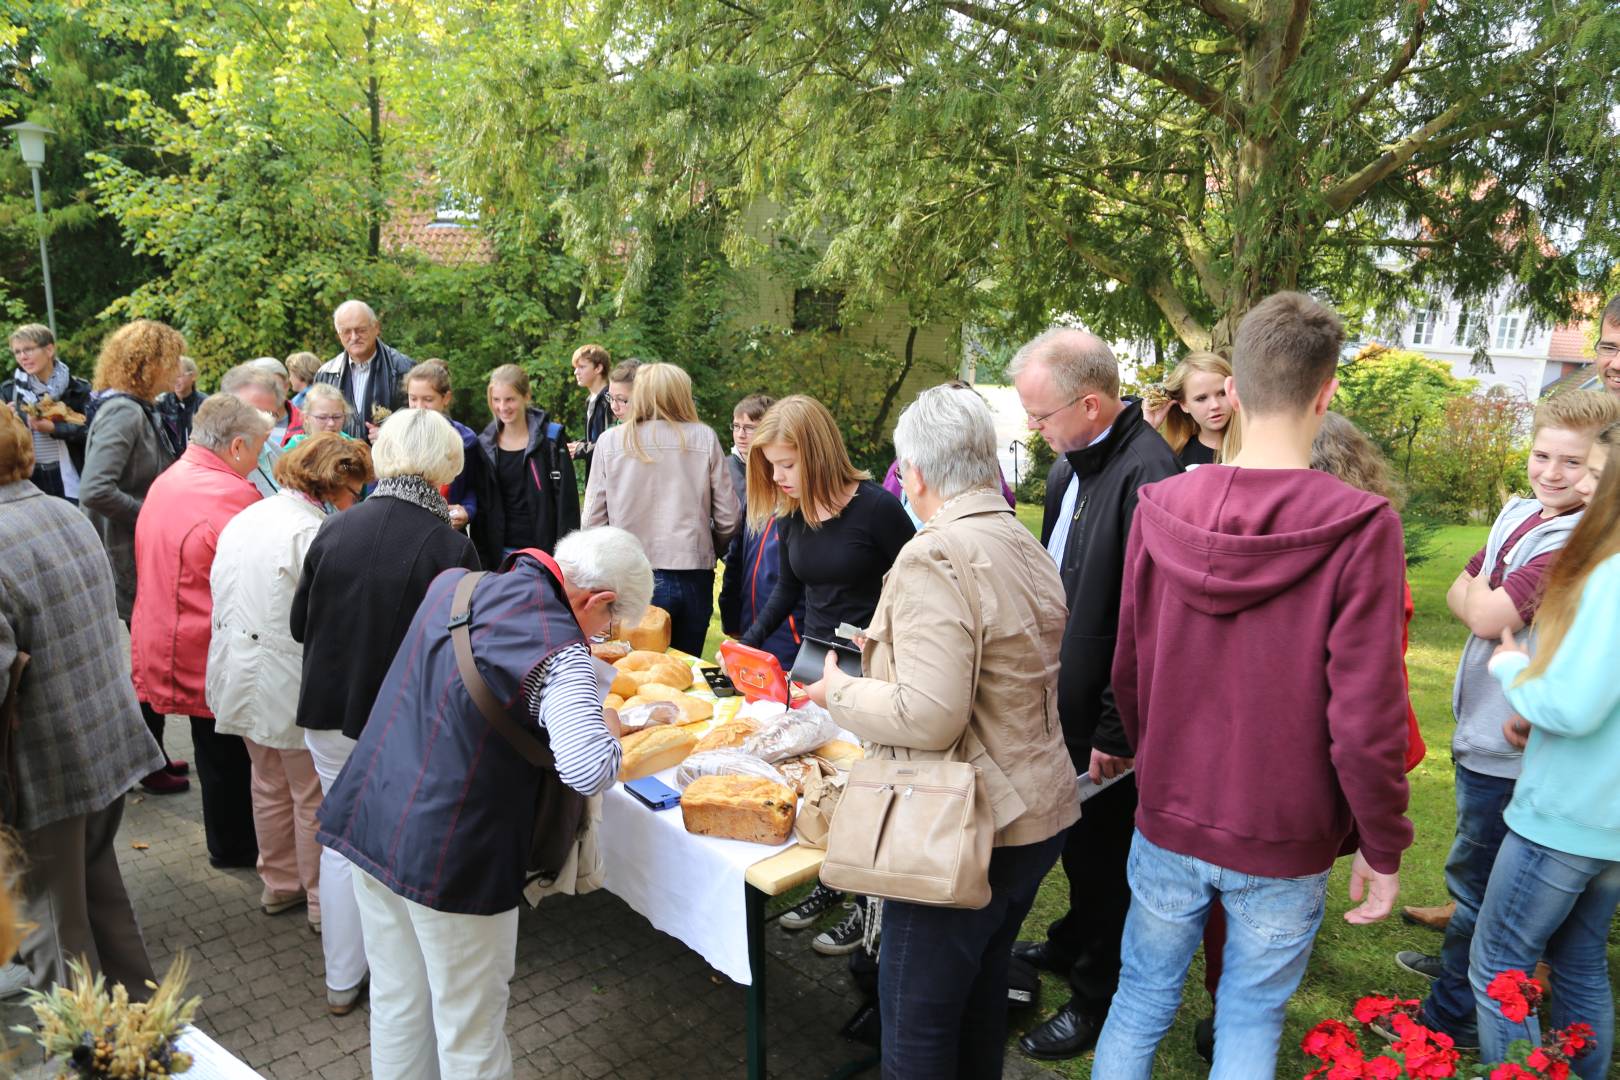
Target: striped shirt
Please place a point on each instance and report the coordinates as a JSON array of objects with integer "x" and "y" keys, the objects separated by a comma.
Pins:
[{"x": 566, "y": 700}]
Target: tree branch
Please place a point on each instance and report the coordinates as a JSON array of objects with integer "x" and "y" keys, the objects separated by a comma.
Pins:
[
  {"x": 1397, "y": 68},
  {"x": 1232, "y": 14},
  {"x": 1085, "y": 38},
  {"x": 1341, "y": 195}
]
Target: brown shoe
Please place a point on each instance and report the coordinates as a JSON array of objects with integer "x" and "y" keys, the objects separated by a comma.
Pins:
[
  {"x": 274, "y": 903},
  {"x": 1435, "y": 918}
]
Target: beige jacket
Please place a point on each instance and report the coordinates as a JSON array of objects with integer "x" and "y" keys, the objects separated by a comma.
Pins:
[
  {"x": 681, "y": 505},
  {"x": 918, "y": 698}
]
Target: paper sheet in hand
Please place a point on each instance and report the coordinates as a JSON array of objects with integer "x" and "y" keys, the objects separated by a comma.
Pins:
[
  {"x": 211, "y": 1061},
  {"x": 1088, "y": 788}
]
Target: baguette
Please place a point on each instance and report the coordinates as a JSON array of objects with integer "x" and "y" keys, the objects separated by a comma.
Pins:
[{"x": 654, "y": 749}]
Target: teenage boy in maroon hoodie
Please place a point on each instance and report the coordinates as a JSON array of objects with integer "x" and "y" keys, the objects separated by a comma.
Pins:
[{"x": 1278, "y": 590}]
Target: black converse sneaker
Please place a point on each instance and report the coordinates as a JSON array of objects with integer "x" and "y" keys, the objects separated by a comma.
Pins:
[
  {"x": 811, "y": 908},
  {"x": 844, "y": 938}
]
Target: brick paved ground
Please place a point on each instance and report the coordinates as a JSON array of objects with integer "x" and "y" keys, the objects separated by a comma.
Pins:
[{"x": 598, "y": 992}]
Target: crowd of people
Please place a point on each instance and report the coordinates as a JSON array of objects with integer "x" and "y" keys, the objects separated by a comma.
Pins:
[{"x": 295, "y": 564}]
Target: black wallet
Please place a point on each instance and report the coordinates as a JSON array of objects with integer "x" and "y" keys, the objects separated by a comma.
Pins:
[{"x": 810, "y": 665}]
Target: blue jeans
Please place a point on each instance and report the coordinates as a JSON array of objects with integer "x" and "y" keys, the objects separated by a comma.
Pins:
[
  {"x": 1546, "y": 903},
  {"x": 1481, "y": 800},
  {"x": 688, "y": 596},
  {"x": 1271, "y": 924},
  {"x": 942, "y": 973}
]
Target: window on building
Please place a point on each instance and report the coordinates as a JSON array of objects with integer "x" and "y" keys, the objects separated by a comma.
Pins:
[
  {"x": 816, "y": 309},
  {"x": 1509, "y": 332},
  {"x": 1423, "y": 325}
]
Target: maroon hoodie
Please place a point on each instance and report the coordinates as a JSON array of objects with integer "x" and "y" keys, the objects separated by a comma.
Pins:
[{"x": 1258, "y": 670}]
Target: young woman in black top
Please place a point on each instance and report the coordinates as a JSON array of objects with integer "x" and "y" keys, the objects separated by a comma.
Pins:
[
  {"x": 840, "y": 533},
  {"x": 527, "y": 496},
  {"x": 1199, "y": 412}
]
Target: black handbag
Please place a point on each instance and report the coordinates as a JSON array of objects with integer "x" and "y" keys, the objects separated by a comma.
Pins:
[
  {"x": 10, "y": 721},
  {"x": 559, "y": 812}
]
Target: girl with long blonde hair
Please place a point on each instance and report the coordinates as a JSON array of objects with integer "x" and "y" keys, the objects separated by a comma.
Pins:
[
  {"x": 662, "y": 476},
  {"x": 526, "y": 494},
  {"x": 1556, "y": 881},
  {"x": 1200, "y": 411}
]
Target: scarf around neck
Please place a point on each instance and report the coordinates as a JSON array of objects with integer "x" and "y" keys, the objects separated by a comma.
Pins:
[
  {"x": 30, "y": 389},
  {"x": 415, "y": 490}
]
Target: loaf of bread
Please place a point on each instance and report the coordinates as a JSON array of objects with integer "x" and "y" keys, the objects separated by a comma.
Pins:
[
  {"x": 653, "y": 749},
  {"x": 840, "y": 753},
  {"x": 642, "y": 667},
  {"x": 727, "y": 735},
  {"x": 694, "y": 709},
  {"x": 739, "y": 808},
  {"x": 652, "y": 633},
  {"x": 614, "y": 701}
]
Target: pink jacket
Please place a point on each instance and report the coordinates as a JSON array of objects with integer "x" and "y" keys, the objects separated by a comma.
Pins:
[{"x": 175, "y": 537}]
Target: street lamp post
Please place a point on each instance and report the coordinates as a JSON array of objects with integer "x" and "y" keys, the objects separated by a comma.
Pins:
[{"x": 31, "y": 143}]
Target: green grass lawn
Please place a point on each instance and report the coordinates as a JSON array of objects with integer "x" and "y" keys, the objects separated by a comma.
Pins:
[{"x": 1348, "y": 961}]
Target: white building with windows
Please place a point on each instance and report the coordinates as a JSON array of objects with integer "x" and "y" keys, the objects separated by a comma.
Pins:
[{"x": 1494, "y": 343}]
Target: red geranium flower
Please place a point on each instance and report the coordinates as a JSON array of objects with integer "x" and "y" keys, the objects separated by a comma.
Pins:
[
  {"x": 1509, "y": 1071},
  {"x": 1572, "y": 1040},
  {"x": 1328, "y": 1040}
]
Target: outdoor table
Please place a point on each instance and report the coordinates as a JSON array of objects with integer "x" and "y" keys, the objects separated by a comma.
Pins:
[{"x": 705, "y": 892}]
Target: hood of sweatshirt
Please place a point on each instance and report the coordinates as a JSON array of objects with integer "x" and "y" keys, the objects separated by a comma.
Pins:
[{"x": 1231, "y": 538}]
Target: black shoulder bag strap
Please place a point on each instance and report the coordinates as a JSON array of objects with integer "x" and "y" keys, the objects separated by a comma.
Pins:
[{"x": 533, "y": 750}]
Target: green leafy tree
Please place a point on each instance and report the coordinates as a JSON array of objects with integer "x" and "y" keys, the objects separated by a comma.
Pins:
[
  {"x": 1394, "y": 395},
  {"x": 1153, "y": 166}
]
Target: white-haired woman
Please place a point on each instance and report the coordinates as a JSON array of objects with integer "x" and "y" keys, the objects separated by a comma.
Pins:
[
  {"x": 176, "y": 536},
  {"x": 942, "y": 982},
  {"x": 366, "y": 572},
  {"x": 442, "y": 859}
]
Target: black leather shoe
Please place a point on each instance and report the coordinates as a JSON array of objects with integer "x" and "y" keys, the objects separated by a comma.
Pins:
[
  {"x": 1044, "y": 955},
  {"x": 1069, "y": 1033}
]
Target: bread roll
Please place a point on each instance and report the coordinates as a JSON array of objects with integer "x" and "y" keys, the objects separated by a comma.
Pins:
[
  {"x": 695, "y": 709},
  {"x": 614, "y": 701},
  {"x": 727, "y": 735},
  {"x": 653, "y": 749},
  {"x": 610, "y": 650},
  {"x": 840, "y": 753},
  {"x": 739, "y": 808},
  {"x": 652, "y": 633}
]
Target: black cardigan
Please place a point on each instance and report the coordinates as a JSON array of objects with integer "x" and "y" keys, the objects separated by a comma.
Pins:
[
  {"x": 1093, "y": 570},
  {"x": 367, "y": 570}
]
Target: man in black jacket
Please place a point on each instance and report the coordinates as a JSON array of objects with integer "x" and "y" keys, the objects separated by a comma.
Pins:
[
  {"x": 370, "y": 373},
  {"x": 1068, "y": 383}
]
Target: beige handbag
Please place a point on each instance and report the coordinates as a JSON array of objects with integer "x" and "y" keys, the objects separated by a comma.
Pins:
[{"x": 917, "y": 831}]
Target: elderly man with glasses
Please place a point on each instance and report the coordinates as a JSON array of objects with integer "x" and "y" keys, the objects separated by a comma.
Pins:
[
  {"x": 1068, "y": 383},
  {"x": 369, "y": 372}
]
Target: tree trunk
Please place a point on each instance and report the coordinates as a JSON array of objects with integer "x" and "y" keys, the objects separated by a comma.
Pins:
[
  {"x": 374, "y": 144},
  {"x": 882, "y": 418}
]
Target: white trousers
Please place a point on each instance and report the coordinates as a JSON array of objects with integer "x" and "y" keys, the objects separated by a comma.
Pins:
[
  {"x": 439, "y": 987},
  {"x": 341, "y": 938}
]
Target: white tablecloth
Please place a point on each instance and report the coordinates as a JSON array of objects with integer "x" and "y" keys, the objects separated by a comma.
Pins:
[{"x": 690, "y": 887}]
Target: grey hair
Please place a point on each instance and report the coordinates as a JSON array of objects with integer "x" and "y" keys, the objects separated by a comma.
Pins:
[
  {"x": 243, "y": 376},
  {"x": 223, "y": 418},
  {"x": 351, "y": 305},
  {"x": 418, "y": 442},
  {"x": 948, "y": 435},
  {"x": 1080, "y": 362},
  {"x": 189, "y": 366},
  {"x": 607, "y": 558},
  {"x": 270, "y": 364}
]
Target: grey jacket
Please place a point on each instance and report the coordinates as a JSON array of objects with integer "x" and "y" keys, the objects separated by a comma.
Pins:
[
  {"x": 124, "y": 454},
  {"x": 1477, "y": 700},
  {"x": 681, "y": 505},
  {"x": 81, "y": 742}
]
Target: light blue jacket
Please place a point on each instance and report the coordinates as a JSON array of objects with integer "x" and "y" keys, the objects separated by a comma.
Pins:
[{"x": 1568, "y": 796}]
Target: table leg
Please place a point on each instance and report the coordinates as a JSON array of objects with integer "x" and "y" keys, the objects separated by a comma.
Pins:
[{"x": 754, "y": 906}]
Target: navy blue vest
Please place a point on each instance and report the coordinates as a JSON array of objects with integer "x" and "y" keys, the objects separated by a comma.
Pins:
[{"x": 433, "y": 802}]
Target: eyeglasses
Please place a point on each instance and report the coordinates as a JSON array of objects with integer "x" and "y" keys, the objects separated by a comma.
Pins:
[
  {"x": 619, "y": 399},
  {"x": 328, "y": 418},
  {"x": 24, "y": 350},
  {"x": 1047, "y": 416},
  {"x": 1608, "y": 349},
  {"x": 744, "y": 429},
  {"x": 358, "y": 493}
]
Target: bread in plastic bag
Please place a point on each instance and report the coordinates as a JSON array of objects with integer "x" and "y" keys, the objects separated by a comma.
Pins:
[
  {"x": 796, "y": 732},
  {"x": 649, "y": 714},
  {"x": 725, "y": 763}
]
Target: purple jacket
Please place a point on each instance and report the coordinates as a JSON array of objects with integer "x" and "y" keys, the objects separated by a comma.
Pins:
[{"x": 891, "y": 484}]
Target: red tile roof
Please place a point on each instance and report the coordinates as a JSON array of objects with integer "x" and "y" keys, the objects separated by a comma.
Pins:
[
  {"x": 443, "y": 242},
  {"x": 1569, "y": 343}
]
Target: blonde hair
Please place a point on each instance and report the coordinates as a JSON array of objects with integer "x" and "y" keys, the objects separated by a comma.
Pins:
[
  {"x": 802, "y": 424},
  {"x": 1179, "y": 428},
  {"x": 418, "y": 442},
  {"x": 507, "y": 375},
  {"x": 304, "y": 365},
  {"x": 660, "y": 392},
  {"x": 140, "y": 358},
  {"x": 1596, "y": 538},
  {"x": 1584, "y": 411},
  {"x": 326, "y": 392}
]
